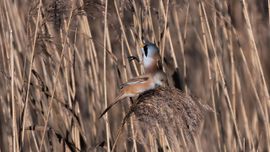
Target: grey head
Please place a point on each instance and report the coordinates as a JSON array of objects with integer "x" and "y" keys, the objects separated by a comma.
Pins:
[
  {"x": 150, "y": 55},
  {"x": 150, "y": 50}
]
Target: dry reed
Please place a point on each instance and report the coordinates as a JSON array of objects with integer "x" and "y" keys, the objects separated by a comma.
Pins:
[{"x": 61, "y": 63}]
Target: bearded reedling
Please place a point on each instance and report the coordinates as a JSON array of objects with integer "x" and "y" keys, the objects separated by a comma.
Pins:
[{"x": 152, "y": 62}]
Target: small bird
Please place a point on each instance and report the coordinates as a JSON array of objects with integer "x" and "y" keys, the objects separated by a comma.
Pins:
[
  {"x": 152, "y": 63},
  {"x": 139, "y": 85},
  {"x": 151, "y": 58}
]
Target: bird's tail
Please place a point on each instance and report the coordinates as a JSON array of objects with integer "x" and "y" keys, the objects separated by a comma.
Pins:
[{"x": 116, "y": 100}]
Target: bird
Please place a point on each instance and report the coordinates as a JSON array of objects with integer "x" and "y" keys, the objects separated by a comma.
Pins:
[
  {"x": 139, "y": 85},
  {"x": 152, "y": 62},
  {"x": 151, "y": 58}
]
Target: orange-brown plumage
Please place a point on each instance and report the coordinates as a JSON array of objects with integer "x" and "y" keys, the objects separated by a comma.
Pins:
[{"x": 137, "y": 86}]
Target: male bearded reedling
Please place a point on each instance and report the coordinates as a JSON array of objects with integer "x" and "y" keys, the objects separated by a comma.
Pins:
[
  {"x": 139, "y": 85},
  {"x": 152, "y": 63}
]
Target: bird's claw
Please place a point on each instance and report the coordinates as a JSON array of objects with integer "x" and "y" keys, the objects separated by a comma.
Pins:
[{"x": 130, "y": 58}]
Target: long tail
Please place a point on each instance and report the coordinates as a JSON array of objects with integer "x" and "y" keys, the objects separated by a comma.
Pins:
[{"x": 116, "y": 100}]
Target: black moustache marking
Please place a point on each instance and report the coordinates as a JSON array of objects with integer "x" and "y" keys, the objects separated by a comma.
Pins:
[{"x": 145, "y": 50}]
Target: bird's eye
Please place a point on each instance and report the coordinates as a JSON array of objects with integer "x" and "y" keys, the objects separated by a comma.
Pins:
[{"x": 145, "y": 49}]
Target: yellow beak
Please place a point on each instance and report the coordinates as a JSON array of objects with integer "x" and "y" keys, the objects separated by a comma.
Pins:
[{"x": 142, "y": 44}]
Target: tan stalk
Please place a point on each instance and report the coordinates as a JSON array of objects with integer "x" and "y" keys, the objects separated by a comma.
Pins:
[
  {"x": 266, "y": 100},
  {"x": 30, "y": 68},
  {"x": 165, "y": 16},
  {"x": 131, "y": 118},
  {"x": 125, "y": 36},
  {"x": 55, "y": 84},
  {"x": 244, "y": 113},
  {"x": 222, "y": 78},
  {"x": 104, "y": 77}
]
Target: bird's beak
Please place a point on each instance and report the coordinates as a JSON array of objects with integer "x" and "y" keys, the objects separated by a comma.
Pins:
[{"x": 142, "y": 44}]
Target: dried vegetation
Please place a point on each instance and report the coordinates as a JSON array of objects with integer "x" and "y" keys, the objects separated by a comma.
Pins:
[{"x": 62, "y": 61}]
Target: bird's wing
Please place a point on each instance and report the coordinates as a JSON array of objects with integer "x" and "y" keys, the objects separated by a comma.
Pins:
[{"x": 136, "y": 80}]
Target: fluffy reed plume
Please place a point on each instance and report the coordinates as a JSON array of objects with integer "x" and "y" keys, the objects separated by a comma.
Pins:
[
  {"x": 172, "y": 111},
  {"x": 170, "y": 108},
  {"x": 167, "y": 110}
]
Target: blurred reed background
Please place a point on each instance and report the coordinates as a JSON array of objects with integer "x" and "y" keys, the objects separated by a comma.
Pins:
[{"x": 62, "y": 62}]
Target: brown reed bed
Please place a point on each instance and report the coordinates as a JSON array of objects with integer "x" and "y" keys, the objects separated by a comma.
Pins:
[{"x": 61, "y": 64}]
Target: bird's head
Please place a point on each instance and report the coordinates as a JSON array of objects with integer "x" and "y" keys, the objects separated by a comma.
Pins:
[
  {"x": 150, "y": 50},
  {"x": 151, "y": 55}
]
